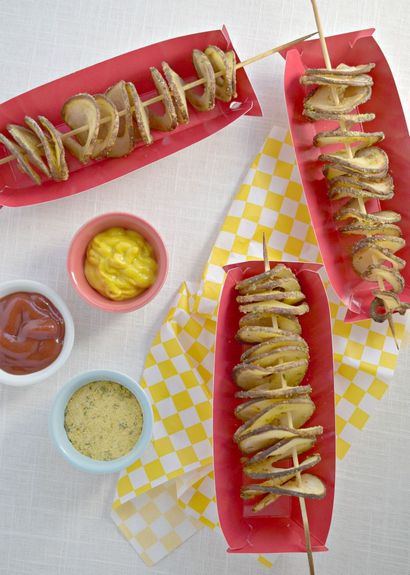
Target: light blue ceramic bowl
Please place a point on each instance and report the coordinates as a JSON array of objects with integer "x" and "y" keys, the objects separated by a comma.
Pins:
[{"x": 59, "y": 436}]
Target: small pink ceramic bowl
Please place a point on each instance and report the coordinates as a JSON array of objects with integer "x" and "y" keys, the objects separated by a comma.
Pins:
[{"x": 77, "y": 254}]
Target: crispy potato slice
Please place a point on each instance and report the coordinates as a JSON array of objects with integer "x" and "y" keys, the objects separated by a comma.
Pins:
[
  {"x": 176, "y": 85},
  {"x": 124, "y": 144},
  {"x": 267, "y": 500},
  {"x": 338, "y": 192},
  {"x": 333, "y": 171},
  {"x": 265, "y": 469},
  {"x": 388, "y": 275},
  {"x": 291, "y": 339},
  {"x": 167, "y": 121},
  {"x": 321, "y": 99},
  {"x": 46, "y": 145},
  {"x": 285, "y": 322},
  {"x": 308, "y": 483},
  {"x": 279, "y": 355},
  {"x": 386, "y": 303},
  {"x": 391, "y": 243},
  {"x": 30, "y": 145},
  {"x": 143, "y": 130},
  {"x": 341, "y": 70},
  {"x": 371, "y": 160},
  {"x": 349, "y": 119},
  {"x": 310, "y": 487},
  {"x": 332, "y": 137},
  {"x": 390, "y": 300},
  {"x": 290, "y": 297},
  {"x": 278, "y": 272},
  {"x": 353, "y": 193},
  {"x": 371, "y": 229},
  {"x": 284, "y": 284},
  {"x": 248, "y": 493},
  {"x": 204, "y": 99},
  {"x": 289, "y": 374},
  {"x": 225, "y": 84},
  {"x": 369, "y": 253},
  {"x": 81, "y": 110},
  {"x": 335, "y": 80},
  {"x": 57, "y": 148},
  {"x": 231, "y": 70},
  {"x": 378, "y": 313},
  {"x": 248, "y": 376},
  {"x": 53, "y": 147},
  {"x": 265, "y": 437},
  {"x": 380, "y": 187},
  {"x": 21, "y": 158},
  {"x": 107, "y": 131},
  {"x": 276, "y": 307},
  {"x": 283, "y": 449},
  {"x": 276, "y": 414},
  {"x": 248, "y": 409},
  {"x": 376, "y": 219},
  {"x": 274, "y": 393},
  {"x": 259, "y": 334}
]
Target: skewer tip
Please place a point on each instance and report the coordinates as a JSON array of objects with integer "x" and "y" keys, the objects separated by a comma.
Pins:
[
  {"x": 265, "y": 253},
  {"x": 393, "y": 331}
]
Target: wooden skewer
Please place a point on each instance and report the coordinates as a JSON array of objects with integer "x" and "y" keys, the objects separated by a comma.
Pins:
[
  {"x": 198, "y": 82},
  {"x": 393, "y": 330},
  {"x": 328, "y": 65},
  {"x": 362, "y": 205},
  {"x": 295, "y": 458}
]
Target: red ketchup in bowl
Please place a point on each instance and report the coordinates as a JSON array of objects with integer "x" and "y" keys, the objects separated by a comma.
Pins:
[{"x": 31, "y": 333}]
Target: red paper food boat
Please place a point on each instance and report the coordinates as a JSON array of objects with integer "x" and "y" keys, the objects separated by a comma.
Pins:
[
  {"x": 353, "y": 48},
  {"x": 16, "y": 189},
  {"x": 279, "y": 529}
]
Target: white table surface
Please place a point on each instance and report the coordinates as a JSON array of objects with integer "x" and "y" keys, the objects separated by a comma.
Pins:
[{"x": 55, "y": 520}]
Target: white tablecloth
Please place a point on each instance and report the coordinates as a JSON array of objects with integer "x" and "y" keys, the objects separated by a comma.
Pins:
[{"x": 55, "y": 520}]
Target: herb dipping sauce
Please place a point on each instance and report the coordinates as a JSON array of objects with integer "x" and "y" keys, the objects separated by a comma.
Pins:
[{"x": 103, "y": 420}]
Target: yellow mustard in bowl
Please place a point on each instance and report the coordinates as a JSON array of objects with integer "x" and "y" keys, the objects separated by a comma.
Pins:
[{"x": 120, "y": 264}]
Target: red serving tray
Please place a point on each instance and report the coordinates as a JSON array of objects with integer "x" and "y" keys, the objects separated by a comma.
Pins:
[
  {"x": 16, "y": 189},
  {"x": 353, "y": 48},
  {"x": 280, "y": 528}
]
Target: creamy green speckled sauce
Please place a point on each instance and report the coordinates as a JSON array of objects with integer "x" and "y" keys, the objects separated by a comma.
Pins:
[{"x": 103, "y": 420}]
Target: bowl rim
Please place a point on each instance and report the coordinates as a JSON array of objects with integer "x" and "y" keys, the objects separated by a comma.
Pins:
[
  {"x": 32, "y": 286},
  {"x": 59, "y": 435},
  {"x": 133, "y": 222}
]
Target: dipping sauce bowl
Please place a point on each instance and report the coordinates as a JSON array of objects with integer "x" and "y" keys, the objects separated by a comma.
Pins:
[
  {"x": 60, "y": 436},
  {"x": 37, "y": 332},
  {"x": 78, "y": 251}
]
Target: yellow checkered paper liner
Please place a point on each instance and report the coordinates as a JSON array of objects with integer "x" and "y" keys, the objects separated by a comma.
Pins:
[{"x": 178, "y": 368}]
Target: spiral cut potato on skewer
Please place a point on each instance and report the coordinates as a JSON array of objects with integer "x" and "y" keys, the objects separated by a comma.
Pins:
[
  {"x": 355, "y": 175},
  {"x": 269, "y": 377},
  {"x": 110, "y": 125}
]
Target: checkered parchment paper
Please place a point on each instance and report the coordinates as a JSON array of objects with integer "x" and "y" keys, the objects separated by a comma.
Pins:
[{"x": 168, "y": 494}]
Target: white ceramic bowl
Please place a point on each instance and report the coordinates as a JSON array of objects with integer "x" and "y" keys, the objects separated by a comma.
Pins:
[
  {"x": 13, "y": 286},
  {"x": 64, "y": 445}
]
